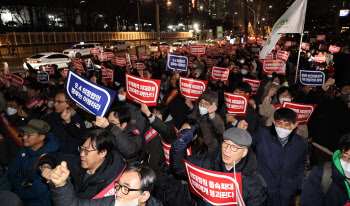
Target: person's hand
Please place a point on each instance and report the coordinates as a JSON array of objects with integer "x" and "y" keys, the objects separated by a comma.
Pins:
[
  {"x": 140, "y": 73},
  {"x": 101, "y": 122},
  {"x": 211, "y": 110},
  {"x": 252, "y": 103},
  {"x": 45, "y": 172},
  {"x": 230, "y": 118},
  {"x": 307, "y": 88},
  {"x": 21, "y": 113},
  {"x": 59, "y": 175},
  {"x": 327, "y": 84},
  {"x": 189, "y": 103},
  {"x": 272, "y": 92},
  {"x": 5, "y": 81},
  {"x": 94, "y": 79},
  {"x": 145, "y": 110},
  {"x": 66, "y": 115},
  {"x": 242, "y": 124}
]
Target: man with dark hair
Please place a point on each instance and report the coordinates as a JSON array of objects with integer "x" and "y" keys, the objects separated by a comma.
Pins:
[
  {"x": 282, "y": 157},
  {"x": 95, "y": 170},
  {"x": 133, "y": 188}
]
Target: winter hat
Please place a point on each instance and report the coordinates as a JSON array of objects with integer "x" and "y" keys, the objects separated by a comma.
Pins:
[{"x": 239, "y": 136}]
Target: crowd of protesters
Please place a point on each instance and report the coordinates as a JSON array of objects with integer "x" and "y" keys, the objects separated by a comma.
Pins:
[{"x": 56, "y": 153}]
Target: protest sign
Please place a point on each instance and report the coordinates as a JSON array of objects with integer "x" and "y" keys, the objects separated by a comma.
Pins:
[
  {"x": 121, "y": 61},
  {"x": 7, "y": 73},
  {"x": 109, "y": 55},
  {"x": 177, "y": 62},
  {"x": 95, "y": 51},
  {"x": 312, "y": 78},
  {"x": 197, "y": 49},
  {"x": 64, "y": 73},
  {"x": 270, "y": 66},
  {"x": 231, "y": 52},
  {"x": 140, "y": 66},
  {"x": 236, "y": 104},
  {"x": 89, "y": 65},
  {"x": 261, "y": 42},
  {"x": 143, "y": 57},
  {"x": 91, "y": 97},
  {"x": 191, "y": 88},
  {"x": 305, "y": 45},
  {"x": 142, "y": 90},
  {"x": 235, "y": 69},
  {"x": 282, "y": 55},
  {"x": 333, "y": 49},
  {"x": 254, "y": 83},
  {"x": 209, "y": 62},
  {"x": 47, "y": 68},
  {"x": 16, "y": 80},
  {"x": 77, "y": 65},
  {"x": 320, "y": 59},
  {"x": 163, "y": 48},
  {"x": 322, "y": 47},
  {"x": 102, "y": 57},
  {"x": 304, "y": 111},
  {"x": 288, "y": 44},
  {"x": 104, "y": 72},
  {"x": 321, "y": 37},
  {"x": 114, "y": 60},
  {"x": 219, "y": 73},
  {"x": 166, "y": 150},
  {"x": 42, "y": 76},
  {"x": 216, "y": 188},
  {"x": 110, "y": 73},
  {"x": 220, "y": 50},
  {"x": 268, "y": 57},
  {"x": 133, "y": 57}
]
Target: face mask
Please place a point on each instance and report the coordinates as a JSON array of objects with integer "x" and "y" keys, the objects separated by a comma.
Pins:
[
  {"x": 194, "y": 65},
  {"x": 282, "y": 133},
  {"x": 345, "y": 98},
  {"x": 284, "y": 100},
  {"x": 24, "y": 88},
  {"x": 149, "y": 64},
  {"x": 241, "y": 61},
  {"x": 203, "y": 110},
  {"x": 11, "y": 111},
  {"x": 134, "y": 202},
  {"x": 269, "y": 76},
  {"x": 244, "y": 72},
  {"x": 121, "y": 97},
  {"x": 346, "y": 168}
]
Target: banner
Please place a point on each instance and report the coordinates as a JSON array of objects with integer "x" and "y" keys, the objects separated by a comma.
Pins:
[
  {"x": 254, "y": 83},
  {"x": 216, "y": 188},
  {"x": 140, "y": 66},
  {"x": 91, "y": 97},
  {"x": 333, "y": 49},
  {"x": 142, "y": 90},
  {"x": 102, "y": 57},
  {"x": 270, "y": 66},
  {"x": 282, "y": 55},
  {"x": 322, "y": 47},
  {"x": 42, "y": 76},
  {"x": 305, "y": 46},
  {"x": 177, "y": 62},
  {"x": 16, "y": 80},
  {"x": 192, "y": 88},
  {"x": 50, "y": 69},
  {"x": 219, "y": 73},
  {"x": 7, "y": 73},
  {"x": 166, "y": 150},
  {"x": 320, "y": 59},
  {"x": 304, "y": 111},
  {"x": 197, "y": 49},
  {"x": 312, "y": 78},
  {"x": 95, "y": 51},
  {"x": 321, "y": 37},
  {"x": 236, "y": 104}
]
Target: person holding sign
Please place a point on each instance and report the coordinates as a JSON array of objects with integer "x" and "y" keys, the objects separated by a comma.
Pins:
[
  {"x": 282, "y": 157},
  {"x": 234, "y": 155}
]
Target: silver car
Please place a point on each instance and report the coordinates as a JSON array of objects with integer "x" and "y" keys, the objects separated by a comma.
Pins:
[{"x": 47, "y": 58}]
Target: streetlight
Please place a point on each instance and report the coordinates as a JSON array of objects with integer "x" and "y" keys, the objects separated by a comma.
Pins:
[{"x": 270, "y": 6}]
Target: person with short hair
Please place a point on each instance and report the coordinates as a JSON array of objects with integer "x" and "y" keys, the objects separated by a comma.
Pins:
[
  {"x": 133, "y": 188},
  {"x": 328, "y": 183},
  {"x": 25, "y": 181}
]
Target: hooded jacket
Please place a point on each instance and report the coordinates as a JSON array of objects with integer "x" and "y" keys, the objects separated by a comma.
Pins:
[{"x": 19, "y": 170}]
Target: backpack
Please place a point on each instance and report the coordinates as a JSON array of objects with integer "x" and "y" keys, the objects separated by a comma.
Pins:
[{"x": 326, "y": 177}]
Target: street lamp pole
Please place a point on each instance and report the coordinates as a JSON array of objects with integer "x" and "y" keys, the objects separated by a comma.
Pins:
[
  {"x": 158, "y": 27},
  {"x": 138, "y": 19}
]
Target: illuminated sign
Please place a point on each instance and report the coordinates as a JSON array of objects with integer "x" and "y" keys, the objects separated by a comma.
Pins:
[{"x": 344, "y": 12}]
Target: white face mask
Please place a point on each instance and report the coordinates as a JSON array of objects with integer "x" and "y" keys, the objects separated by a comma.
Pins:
[
  {"x": 346, "y": 167},
  {"x": 134, "y": 202},
  {"x": 282, "y": 133},
  {"x": 203, "y": 110},
  {"x": 24, "y": 88},
  {"x": 269, "y": 76},
  {"x": 241, "y": 61},
  {"x": 11, "y": 111},
  {"x": 284, "y": 100},
  {"x": 121, "y": 97},
  {"x": 194, "y": 65},
  {"x": 244, "y": 72}
]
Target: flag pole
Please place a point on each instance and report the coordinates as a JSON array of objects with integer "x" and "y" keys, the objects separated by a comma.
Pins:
[{"x": 301, "y": 41}]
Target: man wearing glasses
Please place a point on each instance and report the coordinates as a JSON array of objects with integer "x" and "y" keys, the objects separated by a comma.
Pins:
[
  {"x": 234, "y": 151},
  {"x": 24, "y": 179},
  {"x": 132, "y": 189}
]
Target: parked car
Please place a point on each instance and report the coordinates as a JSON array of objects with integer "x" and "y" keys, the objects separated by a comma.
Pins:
[
  {"x": 118, "y": 45},
  {"x": 81, "y": 49},
  {"x": 192, "y": 41},
  {"x": 154, "y": 46},
  {"x": 181, "y": 42},
  {"x": 47, "y": 58}
]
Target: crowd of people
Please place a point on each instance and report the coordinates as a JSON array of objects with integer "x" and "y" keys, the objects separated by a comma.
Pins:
[{"x": 54, "y": 153}]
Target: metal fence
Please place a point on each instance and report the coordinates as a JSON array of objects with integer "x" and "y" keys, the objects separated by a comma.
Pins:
[{"x": 30, "y": 38}]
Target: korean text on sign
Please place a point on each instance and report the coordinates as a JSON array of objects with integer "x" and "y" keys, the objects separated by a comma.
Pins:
[
  {"x": 304, "y": 111},
  {"x": 191, "y": 88},
  {"x": 220, "y": 73},
  {"x": 236, "y": 104},
  {"x": 312, "y": 78}
]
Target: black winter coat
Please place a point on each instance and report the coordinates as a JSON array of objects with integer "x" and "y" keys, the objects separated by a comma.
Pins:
[{"x": 253, "y": 185}]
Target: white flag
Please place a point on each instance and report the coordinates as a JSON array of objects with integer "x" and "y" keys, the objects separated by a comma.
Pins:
[{"x": 292, "y": 21}]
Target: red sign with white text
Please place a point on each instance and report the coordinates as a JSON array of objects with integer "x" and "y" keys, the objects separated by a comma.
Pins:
[
  {"x": 236, "y": 104},
  {"x": 288, "y": 43},
  {"x": 254, "y": 83},
  {"x": 192, "y": 88},
  {"x": 321, "y": 37},
  {"x": 77, "y": 65},
  {"x": 219, "y": 73},
  {"x": 305, "y": 45},
  {"x": 7, "y": 73},
  {"x": 133, "y": 57},
  {"x": 114, "y": 60},
  {"x": 142, "y": 90},
  {"x": 216, "y": 188},
  {"x": 268, "y": 57},
  {"x": 140, "y": 66},
  {"x": 304, "y": 111},
  {"x": 197, "y": 49},
  {"x": 271, "y": 66},
  {"x": 166, "y": 150},
  {"x": 261, "y": 42},
  {"x": 16, "y": 80},
  {"x": 64, "y": 73},
  {"x": 102, "y": 57},
  {"x": 282, "y": 55},
  {"x": 110, "y": 73},
  {"x": 109, "y": 55},
  {"x": 143, "y": 56},
  {"x": 95, "y": 51},
  {"x": 121, "y": 61},
  {"x": 50, "y": 69},
  {"x": 333, "y": 49},
  {"x": 235, "y": 69},
  {"x": 320, "y": 59}
]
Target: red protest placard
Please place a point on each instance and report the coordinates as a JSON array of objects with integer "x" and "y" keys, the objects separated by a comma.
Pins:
[
  {"x": 114, "y": 60},
  {"x": 282, "y": 55},
  {"x": 235, "y": 69},
  {"x": 321, "y": 37},
  {"x": 166, "y": 150},
  {"x": 236, "y": 104},
  {"x": 277, "y": 47},
  {"x": 261, "y": 42},
  {"x": 7, "y": 73},
  {"x": 305, "y": 45},
  {"x": 269, "y": 56},
  {"x": 219, "y": 73},
  {"x": 77, "y": 65},
  {"x": 143, "y": 56},
  {"x": 294, "y": 43},
  {"x": 109, "y": 55},
  {"x": 110, "y": 73},
  {"x": 214, "y": 53},
  {"x": 192, "y": 88},
  {"x": 304, "y": 111},
  {"x": 254, "y": 83},
  {"x": 322, "y": 47},
  {"x": 288, "y": 43},
  {"x": 64, "y": 73},
  {"x": 163, "y": 48},
  {"x": 333, "y": 49},
  {"x": 121, "y": 61},
  {"x": 50, "y": 69},
  {"x": 216, "y": 188},
  {"x": 102, "y": 57},
  {"x": 140, "y": 66},
  {"x": 133, "y": 57},
  {"x": 197, "y": 49},
  {"x": 16, "y": 80},
  {"x": 104, "y": 72},
  {"x": 231, "y": 52},
  {"x": 271, "y": 66},
  {"x": 95, "y": 51},
  {"x": 209, "y": 62},
  {"x": 320, "y": 59},
  {"x": 142, "y": 90}
]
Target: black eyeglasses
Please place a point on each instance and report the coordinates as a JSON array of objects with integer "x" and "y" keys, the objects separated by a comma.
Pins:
[
  {"x": 233, "y": 148},
  {"x": 125, "y": 189},
  {"x": 86, "y": 151},
  {"x": 59, "y": 101}
]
